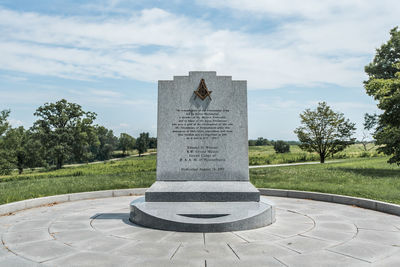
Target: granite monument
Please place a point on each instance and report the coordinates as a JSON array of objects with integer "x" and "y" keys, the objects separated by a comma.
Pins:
[{"x": 202, "y": 159}]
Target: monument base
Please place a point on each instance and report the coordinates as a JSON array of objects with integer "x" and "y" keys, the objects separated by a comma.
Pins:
[
  {"x": 202, "y": 216},
  {"x": 199, "y": 191}
]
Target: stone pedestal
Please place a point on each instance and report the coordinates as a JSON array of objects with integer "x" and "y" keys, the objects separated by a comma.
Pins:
[{"x": 202, "y": 160}]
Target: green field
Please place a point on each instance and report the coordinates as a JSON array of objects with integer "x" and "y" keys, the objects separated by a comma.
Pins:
[
  {"x": 263, "y": 155},
  {"x": 361, "y": 177}
]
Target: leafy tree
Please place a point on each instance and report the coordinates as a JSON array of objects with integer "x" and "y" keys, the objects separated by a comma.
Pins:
[
  {"x": 152, "y": 142},
  {"x": 383, "y": 66},
  {"x": 4, "y": 125},
  {"x": 142, "y": 143},
  {"x": 370, "y": 122},
  {"x": 6, "y": 165},
  {"x": 252, "y": 142},
  {"x": 23, "y": 149},
  {"x": 85, "y": 139},
  {"x": 384, "y": 85},
  {"x": 324, "y": 131},
  {"x": 107, "y": 143},
  {"x": 261, "y": 141},
  {"x": 65, "y": 131},
  {"x": 281, "y": 147},
  {"x": 126, "y": 142}
]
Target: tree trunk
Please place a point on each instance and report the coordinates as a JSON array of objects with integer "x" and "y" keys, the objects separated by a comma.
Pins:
[
  {"x": 322, "y": 158},
  {"x": 59, "y": 162}
]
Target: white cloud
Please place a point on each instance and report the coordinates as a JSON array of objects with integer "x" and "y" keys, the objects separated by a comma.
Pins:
[
  {"x": 105, "y": 93},
  {"x": 329, "y": 43},
  {"x": 15, "y": 123},
  {"x": 124, "y": 125}
]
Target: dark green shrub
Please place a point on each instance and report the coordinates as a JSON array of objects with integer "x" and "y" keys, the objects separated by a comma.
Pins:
[{"x": 281, "y": 147}]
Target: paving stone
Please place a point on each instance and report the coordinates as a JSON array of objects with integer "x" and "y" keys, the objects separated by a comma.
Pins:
[
  {"x": 391, "y": 261},
  {"x": 107, "y": 224},
  {"x": 366, "y": 251},
  {"x": 338, "y": 226},
  {"x": 69, "y": 226},
  {"x": 149, "y": 235},
  {"x": 113, "y": 240},
  {"x": 225, "y": 238},
  {"x": 29, "y": 225},
  {"x": 264, "y": 261},
  {"x": 82, "y": 216},
  {"x": 150, "y": 250},
  {"x": 321, "y": 258},
  {"x": 257, "y": 235},
  {"x": 185, "y": 238},
  {"x": 12, "y": 238},
  {"x": 373, "y": 225},
  {"x": 247, "y": 251},
  {"x": 168, "y": 263},
  {"x": 379, "y": 237},
  {"x": 123, "y": 231},
  {"x": 200, "y": 252},
  {"x": 101, "y": 244},
  {"x": 303, "y": 244},
  {"x": 327, "y": 218},
  {"x": 71, "y": 237},
  {"x": 15, "y": 261},
  {"x": 90, "y": 259},
  {"x": 330, "y": 235},
  {"x": 43, "y": 250},
  {"x": 288, "y": 229},
  {"x": 3, "y": 250}
]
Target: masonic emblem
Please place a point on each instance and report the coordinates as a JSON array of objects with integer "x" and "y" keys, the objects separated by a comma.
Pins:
[{"x": 202, "y": 90}]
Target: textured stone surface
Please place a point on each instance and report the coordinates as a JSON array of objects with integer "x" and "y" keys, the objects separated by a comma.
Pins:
[
  {"x": 202, "y": 216},
  {"x": 306, "y": 233},
  {"x": 202, "y": 139},
  {"x": 197, "y": 191}
]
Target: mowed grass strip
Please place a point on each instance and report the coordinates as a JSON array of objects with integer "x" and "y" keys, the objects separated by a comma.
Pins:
[
  {"x": 363, "y": 177},
  {"x": 370, "y": 178},
  {"x": 128, "y": 173}
]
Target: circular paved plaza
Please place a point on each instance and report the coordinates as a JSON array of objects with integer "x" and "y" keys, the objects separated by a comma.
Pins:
[{"x": 98, "y": 233}]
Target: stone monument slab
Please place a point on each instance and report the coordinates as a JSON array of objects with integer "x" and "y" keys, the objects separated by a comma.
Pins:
[
  {"x": 202, "y": 159},
  {"x": 202, "y": 140}
]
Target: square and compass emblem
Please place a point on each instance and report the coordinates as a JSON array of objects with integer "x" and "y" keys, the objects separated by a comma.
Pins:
[{"x": 202, "y": 91}]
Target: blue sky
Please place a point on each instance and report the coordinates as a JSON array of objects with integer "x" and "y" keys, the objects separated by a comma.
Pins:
[{"x": 108, "y": 55}]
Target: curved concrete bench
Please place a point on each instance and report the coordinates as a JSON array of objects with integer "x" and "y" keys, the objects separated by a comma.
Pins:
[{"x": 359, "y": 202}]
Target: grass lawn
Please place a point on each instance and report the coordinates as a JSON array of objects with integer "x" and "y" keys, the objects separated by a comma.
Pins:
[
  {"x": 362, "y": 177},
  {"x": 132, "y": 172},
  {"x": 263, "y": 155}
]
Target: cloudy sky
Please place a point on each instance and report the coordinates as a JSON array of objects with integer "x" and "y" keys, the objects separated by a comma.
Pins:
[{"x": 108, "y": 55}]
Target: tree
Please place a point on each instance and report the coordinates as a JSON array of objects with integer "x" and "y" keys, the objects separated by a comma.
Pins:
[
  {"x": 281, "y": 147},
  {"x": 261, "y": 141},
  {"x": 142, "y": 143},
  {"x": 126, "y": 142},
  {"x": 324, "y": 131},
  {"x": 107, "y": 143},
  {"x": 252, "y": 142},
  {"x": 6, "y": 165},
  {"x": 4, "y": 125},
  {"x": 23, "y": 149},
  {"x": 384, "y": 85},
  {"x": 370, "y": 122},
  {"x": 65, "y": 131},
  {"x": 152, "y": 142}
]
